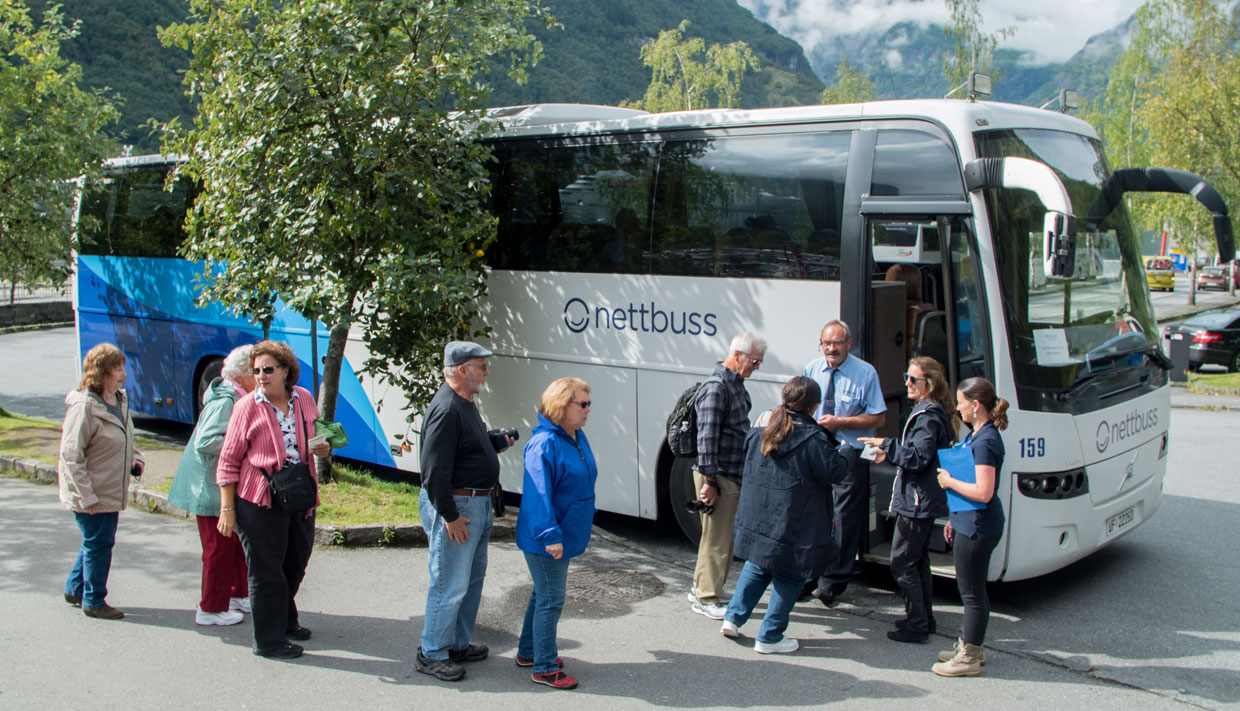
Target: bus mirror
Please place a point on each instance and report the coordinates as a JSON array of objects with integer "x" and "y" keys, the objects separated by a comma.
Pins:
[{"x": 1059, "y": 247}]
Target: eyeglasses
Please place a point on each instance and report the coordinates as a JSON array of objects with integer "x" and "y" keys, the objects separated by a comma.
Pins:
[
  {"x": 913, "y": 379},
  {"x": 837, "y": 344},
  {"x": 584, "y": 404},
  {"x": 265, "y": 370},
  {"x": 755, "y": 362}
]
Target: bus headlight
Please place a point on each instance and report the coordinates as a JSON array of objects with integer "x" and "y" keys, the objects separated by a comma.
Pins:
[{"x": 1055, "y": 485}]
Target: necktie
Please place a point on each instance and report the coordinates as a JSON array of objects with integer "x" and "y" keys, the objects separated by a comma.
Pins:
[{"x": 828, "y": 396}]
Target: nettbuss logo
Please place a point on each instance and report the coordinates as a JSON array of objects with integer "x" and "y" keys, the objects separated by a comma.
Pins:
[
  {"x": 643, "y": 317},
  {"x": 1120, "y": 430}
]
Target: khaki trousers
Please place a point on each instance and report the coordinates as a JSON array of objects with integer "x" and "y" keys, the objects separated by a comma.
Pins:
[{"x": 715, "y": 549}]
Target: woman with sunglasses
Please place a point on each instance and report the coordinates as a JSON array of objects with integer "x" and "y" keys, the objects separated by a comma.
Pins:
[
  {"x": 270, "y": 430},
  {"x": 557, "y": 512},
  {"x": 916, "y": 498},
  {"x": 974, "y": 533}
]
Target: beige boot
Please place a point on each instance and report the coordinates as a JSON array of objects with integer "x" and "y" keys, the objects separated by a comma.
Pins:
[
  {"x": 947, "y": 654},
  {"x": 966, "y": 662}
]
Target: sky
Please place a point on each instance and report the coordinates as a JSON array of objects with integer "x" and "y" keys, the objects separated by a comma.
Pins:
[{"x": 1053, "y": 30}]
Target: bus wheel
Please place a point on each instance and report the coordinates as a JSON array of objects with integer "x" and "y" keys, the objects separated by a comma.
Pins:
[
  {"x": 209, "y": 372},
  {"x": 681, "y": 489}
]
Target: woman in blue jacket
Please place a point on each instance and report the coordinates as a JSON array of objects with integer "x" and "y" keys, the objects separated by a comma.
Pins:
[
  {"x": 557, "y": 512},
  {"x": 916, "y": 498}
]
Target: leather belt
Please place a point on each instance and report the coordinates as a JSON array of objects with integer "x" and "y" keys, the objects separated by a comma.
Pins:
[{"x": 471, "y": 492}]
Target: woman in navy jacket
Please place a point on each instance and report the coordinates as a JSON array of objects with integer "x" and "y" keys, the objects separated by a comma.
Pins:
[
  {"x": 557, "y": 512},
  {"x": 916, "y": 498},
  {"x": 783, "y": 520}
]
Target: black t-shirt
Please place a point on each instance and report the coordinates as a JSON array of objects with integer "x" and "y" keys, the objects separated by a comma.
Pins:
[
  {"x": 456, "y": 451},
  {"x": 988, "y": 450}
]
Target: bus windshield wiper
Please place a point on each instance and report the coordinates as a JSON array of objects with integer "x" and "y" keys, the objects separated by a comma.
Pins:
[{"x": 1122, "y": 346}]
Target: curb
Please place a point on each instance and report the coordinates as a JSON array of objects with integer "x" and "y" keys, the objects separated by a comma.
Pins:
[{"x": 401, "y": 535}]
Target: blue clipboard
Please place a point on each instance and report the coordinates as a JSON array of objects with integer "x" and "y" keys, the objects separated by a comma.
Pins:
[{"x": 958, "y": 461}]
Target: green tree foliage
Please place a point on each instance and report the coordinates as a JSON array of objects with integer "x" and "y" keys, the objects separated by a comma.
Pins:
[
  {"x": 51, "y": 132},
  {"x": 687, "y": 75},
  {"x": 851, "y": 85},
  {"x": 974, "y": 50},
  {"x": 333, "y": 178},
  {"x": 1174, "y": 101}
]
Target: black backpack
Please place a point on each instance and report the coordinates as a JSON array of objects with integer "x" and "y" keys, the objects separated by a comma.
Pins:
[{"x": 682, "y": 423}]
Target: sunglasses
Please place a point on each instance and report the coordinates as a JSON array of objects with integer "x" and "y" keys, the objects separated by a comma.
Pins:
[
  {"x": 913, "y": 379},
  {"x": 585, "y": 404},
  {"x": 265, "y": 370}
]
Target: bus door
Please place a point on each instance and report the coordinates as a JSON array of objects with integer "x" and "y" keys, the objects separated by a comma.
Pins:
[{"x": 924, "y": 300}]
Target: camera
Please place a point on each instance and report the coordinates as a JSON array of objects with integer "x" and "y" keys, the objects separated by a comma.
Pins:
[
  {"x": 699, "y": 506},
  {"x": 135, "y": 471},
  {"x": 497, "y": 436}
]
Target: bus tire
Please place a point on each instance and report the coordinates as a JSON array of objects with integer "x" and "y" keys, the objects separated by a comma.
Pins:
[
  {"x": 681, "y": 489},
  {"x": 209, "y": 370}
]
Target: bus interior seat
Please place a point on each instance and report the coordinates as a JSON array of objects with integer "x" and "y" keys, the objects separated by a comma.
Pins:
[
  {"x": 915, "y": 308},
  {"x": 932, "y": 336}
]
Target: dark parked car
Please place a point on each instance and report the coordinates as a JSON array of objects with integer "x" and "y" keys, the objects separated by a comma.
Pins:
[{"x": 1213, "y": 337}]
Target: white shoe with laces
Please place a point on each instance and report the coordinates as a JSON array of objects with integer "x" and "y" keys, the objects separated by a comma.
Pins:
[
  {"x": 712, "y": 610},
  {"x": 729, "y": 630},
  {"x": 224, "y": 619},
  {"x": 787, "y": 645},
  {"x": 240, "y": 604}
]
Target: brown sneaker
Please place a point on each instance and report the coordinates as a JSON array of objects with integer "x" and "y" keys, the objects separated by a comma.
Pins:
[{"x": 107, "y": 612}]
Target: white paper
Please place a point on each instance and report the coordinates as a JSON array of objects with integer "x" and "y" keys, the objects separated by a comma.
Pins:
[
  {"x": 317, "y": 440},
  {"x": 870, "y": 452},
  {"x": 1051, "y": 346}
]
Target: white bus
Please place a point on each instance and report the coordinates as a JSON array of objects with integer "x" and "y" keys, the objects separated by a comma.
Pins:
[{"x": 632, "y": 247}]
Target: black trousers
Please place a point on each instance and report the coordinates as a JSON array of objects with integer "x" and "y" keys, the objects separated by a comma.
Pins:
[
  {"x": 849, "y": 494},
  {"x": 277, "y": 548},
  {"x": 910, "y": 566},
  {"x": 972, "y": 556}
]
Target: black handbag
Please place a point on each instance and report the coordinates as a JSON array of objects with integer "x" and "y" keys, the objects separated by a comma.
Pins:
[{"x": 292, "y": 488}]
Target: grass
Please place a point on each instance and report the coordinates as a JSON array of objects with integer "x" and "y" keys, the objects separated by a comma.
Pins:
[
  {"x": 355, "y": 497},
  {"x": 1214, "y": 382},
  {"x": 29, "y": 437}
]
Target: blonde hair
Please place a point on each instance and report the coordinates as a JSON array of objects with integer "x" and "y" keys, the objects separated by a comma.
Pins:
[
  {"x": 557, "y": 396},
  {"x": 98, "y": 362}
]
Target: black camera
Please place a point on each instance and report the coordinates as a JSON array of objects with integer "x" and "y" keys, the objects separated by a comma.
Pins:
[
  {"x": 135, "y": 471},
  {"x": 498, "y": 437},
  {"x": 699, "y": 506}
]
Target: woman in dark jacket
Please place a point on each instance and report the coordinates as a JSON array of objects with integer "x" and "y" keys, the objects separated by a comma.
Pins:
[
  {"x": 783, "y": 521},
  {"x": 916, "y": 498}
]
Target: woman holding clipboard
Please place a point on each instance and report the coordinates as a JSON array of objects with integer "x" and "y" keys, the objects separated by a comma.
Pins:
[{"x": 976, "y": 520}]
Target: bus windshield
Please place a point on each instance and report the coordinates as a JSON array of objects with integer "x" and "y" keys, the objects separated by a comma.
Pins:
[{"x": 1066, "y": 333}]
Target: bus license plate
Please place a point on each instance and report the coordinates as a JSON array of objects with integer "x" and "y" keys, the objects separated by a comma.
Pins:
[{"x": 1121, "y": 520}]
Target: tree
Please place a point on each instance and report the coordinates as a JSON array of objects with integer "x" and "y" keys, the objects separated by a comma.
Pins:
[
  {"x": 687, "y": 75},
  {"x": 51, "y": 133},
  {"x": 334, "y": 177},
  {"x": 975, "y": 50},
  {"x": 851, "y": 85}
]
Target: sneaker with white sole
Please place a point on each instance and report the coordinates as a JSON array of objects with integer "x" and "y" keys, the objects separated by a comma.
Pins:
[
  {"x": 693, "y": 596},
  {"x": 729, "y": 630},
  {"x": 224, "y": 619},
  {"x": 713, "y": 610},
  {"x": 239, "y": 604},
  {"x": 787, "y": 645}
]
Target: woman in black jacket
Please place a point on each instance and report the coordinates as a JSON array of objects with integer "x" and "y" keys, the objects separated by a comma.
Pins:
[
  {"x": 783, "y": 520},
  {"x": 916, "y": 497}
]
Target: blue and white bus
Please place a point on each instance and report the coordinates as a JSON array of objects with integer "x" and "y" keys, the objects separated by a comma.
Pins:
[{"x": 631, "y": 248}]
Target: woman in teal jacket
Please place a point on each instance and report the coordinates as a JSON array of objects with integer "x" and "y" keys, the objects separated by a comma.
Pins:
[
  {"x": 225, "y": 589},
  {"x": 557, "y": 513}
]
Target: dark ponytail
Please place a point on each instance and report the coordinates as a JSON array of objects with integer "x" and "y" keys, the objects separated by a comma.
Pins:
[
  {"x": 801, "y": 394},
  {"x": 982, "y": 391}
]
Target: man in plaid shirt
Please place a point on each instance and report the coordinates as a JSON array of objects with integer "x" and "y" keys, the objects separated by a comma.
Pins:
[{"x": 723, "y": 421}]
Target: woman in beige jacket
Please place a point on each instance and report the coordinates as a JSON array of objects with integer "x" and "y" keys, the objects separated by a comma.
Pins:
[{"x": 97, "y": 457}]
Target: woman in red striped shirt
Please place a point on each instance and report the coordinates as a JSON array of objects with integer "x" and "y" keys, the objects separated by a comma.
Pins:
[{"x": 269, "y": 430}]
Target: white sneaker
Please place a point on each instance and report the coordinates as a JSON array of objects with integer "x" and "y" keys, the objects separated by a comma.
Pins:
[
  {"x": 721, "y": 597},
  {"x": 729, "y": 630},
  {"x": 225, "y": 618},
  {"x": 240, "y": 604},
  {"x": 787, "y": 645},
  {"x": 710, "y": 609}
]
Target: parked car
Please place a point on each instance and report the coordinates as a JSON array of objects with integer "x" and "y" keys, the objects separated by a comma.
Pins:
[
  {"x": 1213, "y": 277},
  {"x": 1213, "y": 336},
  {"x": 1160, "y": 273}
]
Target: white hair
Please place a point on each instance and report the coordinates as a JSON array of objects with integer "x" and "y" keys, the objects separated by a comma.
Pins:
[
  {"x": 747, "y": 343},
  {"x": 237, "y": 363}
]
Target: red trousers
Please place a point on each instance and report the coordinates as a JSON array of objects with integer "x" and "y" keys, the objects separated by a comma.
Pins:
[{"x": 224, "y": 574}]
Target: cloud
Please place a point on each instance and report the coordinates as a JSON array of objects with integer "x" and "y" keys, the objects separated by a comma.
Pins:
[{"x": 1052, "y": 32}]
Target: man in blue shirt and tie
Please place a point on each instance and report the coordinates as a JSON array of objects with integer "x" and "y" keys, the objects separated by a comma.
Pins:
[{"x": 852, "y": 406}]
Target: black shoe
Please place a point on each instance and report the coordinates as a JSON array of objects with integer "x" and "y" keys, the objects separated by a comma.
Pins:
[
  {"x": 904, "y": 634},
  {"x": 441, "y": 669},
  {"x": 75, "y": 601},
  {"x": 932, "y": 627},
  {"x": 285, "y": 651},
  {"x": 471, "y": 653},
  {"x": 823, "y": 595},
  {"x": 806, "y": 591},
  {"x": 299, "y": 633}
]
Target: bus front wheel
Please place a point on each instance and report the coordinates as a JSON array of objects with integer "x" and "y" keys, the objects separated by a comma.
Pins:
[
  {"x": 681, "y": 489},
  {"x": 209, "y": 372}
]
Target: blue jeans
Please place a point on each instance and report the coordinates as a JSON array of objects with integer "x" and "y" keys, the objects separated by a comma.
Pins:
[
  {"x": 750, "y": 585},
  {"x": 89, "y": 578},
  {"x": 542, "y": 614},
  {"x": 456, "y": 574}
]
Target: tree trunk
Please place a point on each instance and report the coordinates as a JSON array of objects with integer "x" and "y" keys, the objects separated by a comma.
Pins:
[{"x": 333, "y": 361}]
